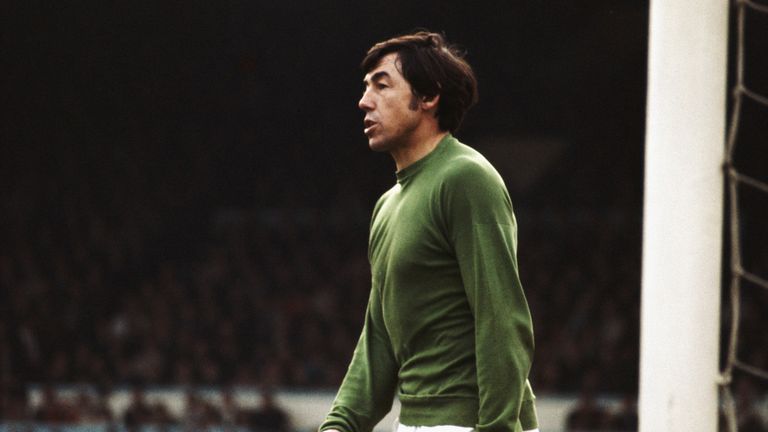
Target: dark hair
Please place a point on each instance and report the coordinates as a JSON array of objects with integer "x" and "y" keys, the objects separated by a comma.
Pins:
[{"x": 431, "y": 67}]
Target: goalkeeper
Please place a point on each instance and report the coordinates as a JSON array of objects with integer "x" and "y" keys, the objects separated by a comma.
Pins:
[{"x": 447, "y": 325}]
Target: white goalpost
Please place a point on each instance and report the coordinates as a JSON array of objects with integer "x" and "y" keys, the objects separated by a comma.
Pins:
[{"x": 683, "y": 215}]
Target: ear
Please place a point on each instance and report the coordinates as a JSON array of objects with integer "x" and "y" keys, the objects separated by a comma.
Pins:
[{"x": 429, "y": 104}]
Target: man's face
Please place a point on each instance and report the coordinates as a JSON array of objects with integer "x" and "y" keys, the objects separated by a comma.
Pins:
[{"x": 391, "y": 110}]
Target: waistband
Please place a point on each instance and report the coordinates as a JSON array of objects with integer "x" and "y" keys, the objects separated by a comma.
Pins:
[
  {"x": 433, "y": 410},
  {"x": 454, "y": 410}
]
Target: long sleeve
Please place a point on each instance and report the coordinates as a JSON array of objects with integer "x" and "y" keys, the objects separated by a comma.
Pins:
[
  {"x": 447, "y": 321},
  {"x": 482, "y": 229},
  {"x": 368, "y": 389}
]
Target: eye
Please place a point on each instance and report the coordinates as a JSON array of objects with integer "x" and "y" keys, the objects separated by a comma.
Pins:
[{"x": 381, "y": 85}]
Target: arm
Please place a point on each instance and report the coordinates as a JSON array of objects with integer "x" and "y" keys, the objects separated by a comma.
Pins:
[
  {"x": 483, "y": 231},
  {"x": 368, "y": 389}
]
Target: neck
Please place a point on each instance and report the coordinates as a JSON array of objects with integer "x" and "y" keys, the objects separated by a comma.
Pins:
[{"x": 406, "y": 155}]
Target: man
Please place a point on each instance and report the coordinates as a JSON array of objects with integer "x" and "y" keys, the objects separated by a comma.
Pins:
[{"x": 447, "y": 323}]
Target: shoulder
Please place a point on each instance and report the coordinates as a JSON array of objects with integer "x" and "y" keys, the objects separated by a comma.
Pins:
[
  {"x": 383, "y": 199},
  {"x": 468, "y": 170},
  {"x": 472, "y": 191}
]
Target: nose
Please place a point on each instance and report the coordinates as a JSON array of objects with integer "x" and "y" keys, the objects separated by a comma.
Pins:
[{"x": 366, "y": 102}]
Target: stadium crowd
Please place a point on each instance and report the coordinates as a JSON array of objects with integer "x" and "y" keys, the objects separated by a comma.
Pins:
[
  {"x": 91, "y": 410},
  {"x": 124, "y": 292}
]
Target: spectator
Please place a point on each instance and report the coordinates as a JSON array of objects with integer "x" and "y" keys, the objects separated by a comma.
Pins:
[
  {"x": 53, "y": 410},
  {"x": 14, "y": 406},
  {"x": 199, "y": 414},
  {"x": 625, "y": 418},
  {"x": 92, "y": 410},
  {"x": 269, "y": 417},
  {"x": 139, "y": 412},
  {"x": 232, "y": 415},
  {"x": 587, "y": 416}
]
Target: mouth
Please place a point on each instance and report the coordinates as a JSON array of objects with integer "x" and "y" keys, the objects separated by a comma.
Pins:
[{"x": 369, "y": 126}]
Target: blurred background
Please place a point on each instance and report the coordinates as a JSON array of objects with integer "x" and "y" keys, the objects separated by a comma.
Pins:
[{"x": 186, "y": 193}]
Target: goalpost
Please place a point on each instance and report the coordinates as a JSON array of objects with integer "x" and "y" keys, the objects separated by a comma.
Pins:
[{"x": 683, "y": 215}]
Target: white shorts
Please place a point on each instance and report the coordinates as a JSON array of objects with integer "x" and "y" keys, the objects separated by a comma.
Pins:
[{"x": 443, "y": 428}]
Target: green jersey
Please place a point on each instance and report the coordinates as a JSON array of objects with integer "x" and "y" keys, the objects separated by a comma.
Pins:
[{"x": 447, "y": 326}]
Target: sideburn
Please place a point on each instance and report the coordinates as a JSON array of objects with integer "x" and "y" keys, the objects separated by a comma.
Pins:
[{"x": 413, "y": 105}]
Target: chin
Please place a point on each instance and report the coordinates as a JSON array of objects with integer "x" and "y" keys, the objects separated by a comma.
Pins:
[{"x": 378, "y": 145}]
